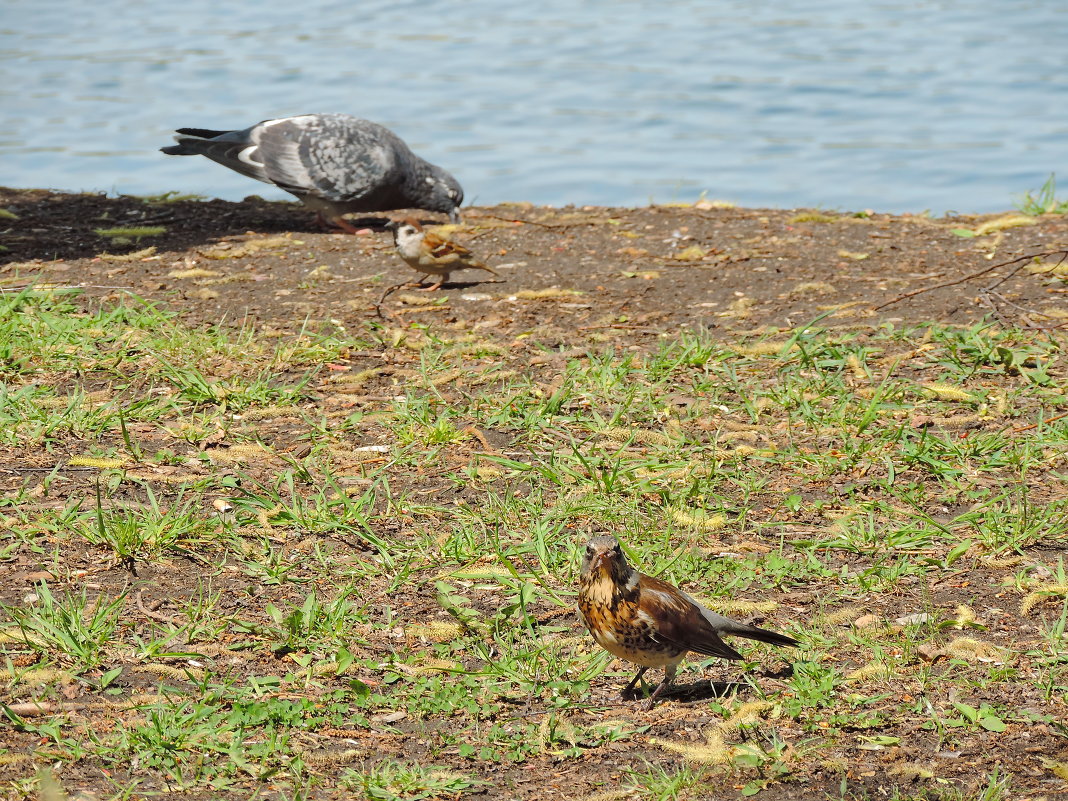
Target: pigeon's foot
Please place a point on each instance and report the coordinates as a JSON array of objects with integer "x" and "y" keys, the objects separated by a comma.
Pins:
[{"x": 344, "y": 225}]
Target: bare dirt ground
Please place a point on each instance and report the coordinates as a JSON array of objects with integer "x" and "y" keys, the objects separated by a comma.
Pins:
[
  {"x": 660, "y": 267},
  {"x": 571, "y": 278}
]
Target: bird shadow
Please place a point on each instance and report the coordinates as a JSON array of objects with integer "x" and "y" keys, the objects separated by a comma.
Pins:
[
  {"x": 698, "y": 691},
  {"x": 53, "y": 226}
]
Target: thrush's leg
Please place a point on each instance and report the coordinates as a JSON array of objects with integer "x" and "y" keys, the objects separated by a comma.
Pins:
[
  {"x": 635, "y": 680},
  {"x": 669, "y": 679}
]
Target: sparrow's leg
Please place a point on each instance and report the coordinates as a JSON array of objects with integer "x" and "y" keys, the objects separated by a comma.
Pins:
[
  {"x": 635, "y": 680},
  {"x": 441, "y": 281}
]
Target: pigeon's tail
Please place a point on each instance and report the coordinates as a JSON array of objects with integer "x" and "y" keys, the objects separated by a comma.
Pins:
[
  {"x": 188, "y": 140},
  {"x": 232, "y": 149}
]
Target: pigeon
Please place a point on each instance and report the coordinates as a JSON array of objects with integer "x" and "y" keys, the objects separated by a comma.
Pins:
[
  {"x": 430, "y": 253},
  {"x": 335, "y": 163}
]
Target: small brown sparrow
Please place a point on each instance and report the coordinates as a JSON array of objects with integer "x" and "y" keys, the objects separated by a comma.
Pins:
[
  {"x": 431, "y": 253},
  {"x": 648, "y": 621}
]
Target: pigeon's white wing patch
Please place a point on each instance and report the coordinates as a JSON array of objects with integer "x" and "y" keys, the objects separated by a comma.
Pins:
[
  {"x": 301, "y": 120},
  {"x": 246, "y": 156}
]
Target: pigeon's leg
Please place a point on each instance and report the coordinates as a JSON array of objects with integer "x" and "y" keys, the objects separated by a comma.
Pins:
[
  {"x": 635, "y": 680},
  {"x": 669, "y": 679},
  {"x": 344, "y": 225}
]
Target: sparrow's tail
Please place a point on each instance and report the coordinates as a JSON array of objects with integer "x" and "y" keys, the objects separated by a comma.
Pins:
[{"x": 480, "y": 266}]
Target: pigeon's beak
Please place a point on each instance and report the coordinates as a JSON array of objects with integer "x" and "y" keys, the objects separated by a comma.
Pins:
[{"x": 454, "y": 215}]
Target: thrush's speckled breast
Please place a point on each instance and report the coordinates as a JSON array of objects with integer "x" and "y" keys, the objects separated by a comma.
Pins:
[{"x": 648, "y": 621}]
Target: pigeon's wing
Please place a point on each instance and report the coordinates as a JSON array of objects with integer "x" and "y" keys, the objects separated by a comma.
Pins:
[
  {"x": 332, "y": 156},
  {"x": 233, "y": 149},
  {"x": 679, "y": 621}
]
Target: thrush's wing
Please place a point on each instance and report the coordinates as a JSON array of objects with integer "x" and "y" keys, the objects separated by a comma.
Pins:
[{"x": 678, "y": 619}]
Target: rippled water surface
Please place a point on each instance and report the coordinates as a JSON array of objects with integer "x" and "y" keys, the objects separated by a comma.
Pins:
[{"x": 895, "y": 106}]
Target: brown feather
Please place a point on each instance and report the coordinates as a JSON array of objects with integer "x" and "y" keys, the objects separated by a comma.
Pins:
[{"x": 679, "y": 620}]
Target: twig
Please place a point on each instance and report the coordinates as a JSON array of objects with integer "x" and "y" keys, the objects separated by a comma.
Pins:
[
  {"x": 971, "y": 276},
  {"x": 548, "y": 226},
  {"x": 992, "y": 298},
  {"x": 154, "y": 615},
  {"x": 620, "y": 326},
  {"x": 59, "y": 287},
  {"x": 48, "y": 469},
  {"x": 29, "y": 708},
  {"x": 415, "y": 309},
  {"x": 1036, "y": 425},
  {"x": 386, "y": 294}
]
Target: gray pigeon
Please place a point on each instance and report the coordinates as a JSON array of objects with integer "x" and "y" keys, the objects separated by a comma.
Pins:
[{"x": 336, "y": 164}]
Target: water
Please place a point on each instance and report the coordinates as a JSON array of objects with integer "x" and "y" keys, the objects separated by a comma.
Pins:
[{"x": 893, "y": 105}]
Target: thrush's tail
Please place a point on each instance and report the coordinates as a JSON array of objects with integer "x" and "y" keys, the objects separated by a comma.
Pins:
[{"x": 761, "y": 635}]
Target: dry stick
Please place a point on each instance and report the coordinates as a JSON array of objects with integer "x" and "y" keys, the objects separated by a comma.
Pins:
[
  {"x": 991, "y": 299},
  {"x": 57, "y": 287},
  {"x": 968, "y": 277},
  {"x": 1036, "y": 425},
  {"x": 151, "y": 613},
  {"x": 540, "y": 225},
  {"x": 30, "y": 708},
  {"x": 1060, "y": 261},
  {"x": 386, "y": 294}
]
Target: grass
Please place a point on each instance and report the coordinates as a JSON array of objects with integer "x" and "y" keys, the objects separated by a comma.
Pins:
[
  {"x": 258, "y": 575},
  {"x": 1044, "y": 201}
]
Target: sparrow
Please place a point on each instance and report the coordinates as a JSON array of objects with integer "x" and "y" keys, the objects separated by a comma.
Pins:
[
  {"x": 431, "y": 253},
  {"x": 336, "y": 164},
  {"x": 648, "y": 621}
]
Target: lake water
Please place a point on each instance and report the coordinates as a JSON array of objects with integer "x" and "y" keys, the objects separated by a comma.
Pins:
[{"x": 894, "y": 106}]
